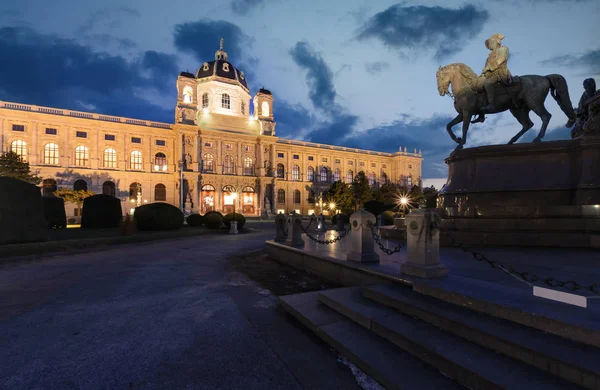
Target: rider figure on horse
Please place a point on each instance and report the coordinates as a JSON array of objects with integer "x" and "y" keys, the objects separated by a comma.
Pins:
[{"x": 495, "y": 70}]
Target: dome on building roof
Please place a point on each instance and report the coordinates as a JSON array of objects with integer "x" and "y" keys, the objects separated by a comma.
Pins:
[
  {"x": 265, "y": 91},
  {"x": 221, "y": 67}
]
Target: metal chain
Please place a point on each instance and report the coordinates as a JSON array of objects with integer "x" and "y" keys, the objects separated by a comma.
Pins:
[
  {"x": 526, "y": 276},
  {"x": 377, "y": 239},
  {"x": 325, "y": 242}
]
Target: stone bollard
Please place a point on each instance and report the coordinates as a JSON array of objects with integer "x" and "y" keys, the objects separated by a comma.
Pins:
[
  {"x": 233, "y": 227},
  {"x": 280, "y": 226},
  {"x": 362, "y": 244},
  {"x": 423, "y": 245},
  {"x": 321, "y": 225},
  {"x": 294, "y": 228}
]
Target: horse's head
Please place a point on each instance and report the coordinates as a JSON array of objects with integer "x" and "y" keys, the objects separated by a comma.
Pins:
[{"x": 443, "y": 81}]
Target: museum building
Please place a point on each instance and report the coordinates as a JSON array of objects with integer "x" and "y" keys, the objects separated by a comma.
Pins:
[{"x": 217, "y": 152}]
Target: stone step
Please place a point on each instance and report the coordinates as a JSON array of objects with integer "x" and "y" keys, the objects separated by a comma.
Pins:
[
  {"x": 574, "y": 225},
  {"x": 521, "y": 238},
  {"x": 518, "y": 305},
  {"x": 384, "y": 362},
  {"x": 471, "y": 365},
  {"x": 572, "y": 361}
]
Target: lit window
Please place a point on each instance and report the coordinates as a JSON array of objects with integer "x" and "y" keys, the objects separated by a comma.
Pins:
[
  {"x": 280, "y": 196},
  {"x": 160, "y": 193},
  {"x": 208, "y": 163},
  {"x": 297, "y": 197},
  {"x": 110, "y": 158},
  {"x": 280, "y": 171},
  {"x": 51, "y": 154},
  {"x": 228, "y": 146},
  {"x": 248, "y": 169},
  {"x": 247, "y": 148},
  {"x": 409, "y": 181},
  {"x": 296, "y": 173},
  {"x": 229, "y": 166},
  {"x": 350, "y": 177},
  {"x": 187, "y": 94},
  {"x": 265, "y": 109},
  {"x": 19, "y": 147},
  {"x": 82, "y": 155},
  {"x": 323, "y": 175},
  {"x": 310, "y": 174},
  {"x": 135, "y": 160},
  {"x": 372, "y": 178},
  {"x": 48, "y": 187},
  {"x": 225, "y": 101},
  {"x": 336, "y": 175},
  {"x": 135, "y": 191},
  {"x": 205, "y": 100},
  {"x": 160, "y": 162}
]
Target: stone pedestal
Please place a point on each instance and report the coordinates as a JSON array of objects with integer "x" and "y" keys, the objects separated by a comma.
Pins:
[
  {"x": 280, "y": 228},
  {"x": 362, "y": 243},
  {"x": 423, "y": 245},
  {"x": 233, "y": 227},
  {"x": 294, "y": 230}
]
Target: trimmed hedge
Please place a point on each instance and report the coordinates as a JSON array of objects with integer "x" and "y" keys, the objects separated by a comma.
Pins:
[
  {"x": 195, "y": 220},
  {"x": 54, "y": 212},
  {"x": 241, "y": 220},
  {"x": 101, "y": 212},
  {"x": 21, "y": 212},
  {"x": 158, "y": 216},
  {"x": 213, "y": 220}
]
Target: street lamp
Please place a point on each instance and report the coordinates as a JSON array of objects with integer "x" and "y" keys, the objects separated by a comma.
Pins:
[
  {"x": 332, "y": 207},
  {"x": 233, "y": 227}
]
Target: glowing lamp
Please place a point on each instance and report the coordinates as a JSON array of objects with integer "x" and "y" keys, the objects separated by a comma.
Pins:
[{"x": 404, "y": 200}]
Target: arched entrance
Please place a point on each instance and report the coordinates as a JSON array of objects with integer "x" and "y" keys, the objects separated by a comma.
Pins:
[
  {"x": 207, "y": 198},
  {"x": 248, "y": 199},
  {"x": 228, "y": 199}
]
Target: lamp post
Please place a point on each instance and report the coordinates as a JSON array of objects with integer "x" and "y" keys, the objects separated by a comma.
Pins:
[{"x": 233, "y": 227}]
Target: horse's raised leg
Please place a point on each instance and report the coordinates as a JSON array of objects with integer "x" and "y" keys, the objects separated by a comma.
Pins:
[
  {"x": 522, "y": 115},
  {"x": 465, "y": 128},
  {"x": 453, "y": 122},
  {"x": 541, "y": 111}
]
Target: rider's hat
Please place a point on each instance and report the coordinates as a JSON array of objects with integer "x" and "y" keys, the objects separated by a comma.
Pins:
[{"x": 495, "y": 37}]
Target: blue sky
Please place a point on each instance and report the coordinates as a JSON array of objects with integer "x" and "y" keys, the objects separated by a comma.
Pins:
[{"x": 348, "y": 72}]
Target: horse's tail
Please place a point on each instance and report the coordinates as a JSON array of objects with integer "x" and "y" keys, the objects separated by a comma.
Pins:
[{"x": 560, "y": 93}]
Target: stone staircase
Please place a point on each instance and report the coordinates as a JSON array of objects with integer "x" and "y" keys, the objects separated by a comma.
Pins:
[{"x": 443, "y": 334}]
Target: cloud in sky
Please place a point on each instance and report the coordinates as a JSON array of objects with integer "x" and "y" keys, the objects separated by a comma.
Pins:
[
  {"x": 242, "y": 7},
  {"x": 376, "y": 67},
  {"x": 422, "y": 29},
  {"x": 588, "y": 61}
]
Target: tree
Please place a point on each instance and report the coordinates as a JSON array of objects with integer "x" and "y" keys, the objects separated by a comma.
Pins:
[
  {"x": 416, "y": 196},
  {"x": 73, "y": 196},
  {"x": 361, "y": 189},
  {"x": 386, "y": 193},
  {"x": 12, "y": 165},
  {"x": 340, "y": 194}
]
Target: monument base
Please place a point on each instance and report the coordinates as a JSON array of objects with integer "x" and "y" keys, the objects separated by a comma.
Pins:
[{"x": 424, "y": 271}]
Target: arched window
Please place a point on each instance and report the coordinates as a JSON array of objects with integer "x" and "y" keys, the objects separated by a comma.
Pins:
[
  {"x": 208, "y": 163},
  {"x": 160, "y": 162},
  {"x": 187, "y": 94},
  {"x": 310, "y": 174},
  {"x": 110, "y": 158},
  {"x": 48, "y": 187},
  {"x": 204, "y": 100},
  {"x": 336, "y": 175},
  {"x": 19, "y": 147},
  {"x": 280, "y": 196},
  {"x": 160, "y": 193},
  {"x": 134, "y": 190},
  {"x": 296, "y": 173},
  {"x": 372, "y": 178},
  {"x": 383, "y": 177},
  {"x": 350, "y": 176},
  {"x": 248, "y": 167},
  {"x": 208, "y": 198},
  {"x": 243, "y": 108},
  {"x": 265, "y": 108},
  {"x": 82, "y": 155},
  {"x": 51, "y": 153},
  {"x": 311, "y": 196},
  {"x": 135, "y": 160},
  {"x": 225, "y": 101},
  {"x": 409, "y": 181},
  {"x": 280, "y": 171},
  {"x": 296, "y": 196},
  {"x": 323, "y": 175},
  {"x": 108, "y": 188},
  {"x": 229, "y": 166},
  {"x": 80, "y": 185}
]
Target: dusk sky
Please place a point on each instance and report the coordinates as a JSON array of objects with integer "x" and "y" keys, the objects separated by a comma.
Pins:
[{"x": 346, "y": 72}]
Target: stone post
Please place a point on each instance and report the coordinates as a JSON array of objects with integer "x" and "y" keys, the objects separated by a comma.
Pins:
[
  {"x": 363, "y": 245},
  {"x": 280, "y": 226},
  {"x": 294, "y": 228},
  {"x": 423, "y": 245}
]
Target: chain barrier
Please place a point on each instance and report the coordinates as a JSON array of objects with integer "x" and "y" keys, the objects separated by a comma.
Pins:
[
  {"x": 377, "y": 239},
  {"x": 324, "y": 242},
  {"x": 530, "y": 277}
]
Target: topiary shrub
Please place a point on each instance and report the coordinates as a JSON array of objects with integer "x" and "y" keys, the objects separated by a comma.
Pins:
[
  {"x": 101, "y": 211},
  {"x": 213, "y": 220},
  {"x": 387, "y": 217},
  {"x": 21, "y": 212},
  {"x": 213, "y": 212},
  {"x": 158, "y": 216},
  {"x": 241, "y": 220},
  {"x": 195, "y": 220},
  {"x": 54, "y": 212}
]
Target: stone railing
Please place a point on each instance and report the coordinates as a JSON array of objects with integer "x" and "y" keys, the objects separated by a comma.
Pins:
[
  {"x": 84, "y": 115},
  {"x": 345, "y": 149}
]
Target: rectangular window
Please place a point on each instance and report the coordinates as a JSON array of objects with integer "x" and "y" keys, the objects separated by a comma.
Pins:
[
  {"x": 228, "y": 146},
  {"x": 383, "y": 165},
  {"x": 350, "y": 162},
  {"x": 362, "y": 164},
  {"x": 409, "y": 166},
  {"x": 136, "y": 140},
  {"x": 208, "y": 144},
  {"x": 81, "y": 134},
  {"x": 50, "y": 131},
  {"x": 337, "y": 161},
  {"x": 161, "y": 142},
  {"x": 311, "y": 158},
  {"x": 109, "y": 137},
  {"x": 18, "y": 127},
  {"x": 373, "y": 165},
  {"x": 280, "y": 155},
  {"x": 296, "y": 157},
  {"x": 324, "y": 159},
  {"x": 247, "y": 148}
]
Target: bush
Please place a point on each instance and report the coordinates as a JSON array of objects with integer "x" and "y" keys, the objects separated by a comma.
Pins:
[
  {"x": 101, "y": 212},
  {"x": 375, "y": 207},
  {"x": 241, "y": 220},
  {"x": 213, "y": 212},
  {"x": 344, "y": 217},
  {"x": 158, "y": 216},
  {"x": 387, "y": 217},
  {"x": 195, "y": 220},
  {"x": 21, "y": 212},
  {"x": 54, "y": 212},
  {"x": 213, "y": 220},
  {"x": 431, "y": 201}
]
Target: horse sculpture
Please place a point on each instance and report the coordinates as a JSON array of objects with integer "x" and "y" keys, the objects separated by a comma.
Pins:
[{"x": 525, "y": 94}]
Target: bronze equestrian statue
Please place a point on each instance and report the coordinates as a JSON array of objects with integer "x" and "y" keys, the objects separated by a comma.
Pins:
[{"x": 503, "y": 92}]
